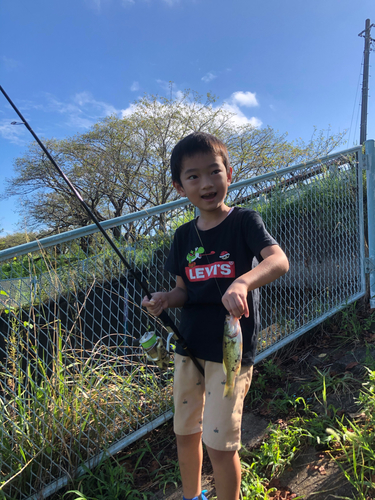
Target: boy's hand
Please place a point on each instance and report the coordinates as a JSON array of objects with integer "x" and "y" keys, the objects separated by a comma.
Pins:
[
  {"x": 235, "y": 299},
  {"x": 157, "y": 304}
]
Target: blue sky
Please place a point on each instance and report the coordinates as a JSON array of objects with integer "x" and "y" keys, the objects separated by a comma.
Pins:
[{"x": 292, "y": 65}]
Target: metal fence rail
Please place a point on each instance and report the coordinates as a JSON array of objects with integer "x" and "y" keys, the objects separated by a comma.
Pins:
[{"x": 73, "y": 382}]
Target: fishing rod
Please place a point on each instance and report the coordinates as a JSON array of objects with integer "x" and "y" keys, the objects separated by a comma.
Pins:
[{"x": 163, "y": 316}]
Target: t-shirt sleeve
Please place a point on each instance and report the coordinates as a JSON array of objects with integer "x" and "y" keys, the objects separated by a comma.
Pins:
[
  {"x": 257, "y": 236},
  {"x": 171, "y": 264}
]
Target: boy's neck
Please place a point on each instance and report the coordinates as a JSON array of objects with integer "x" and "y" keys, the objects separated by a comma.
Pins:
[{"x": 208, "y": 220}]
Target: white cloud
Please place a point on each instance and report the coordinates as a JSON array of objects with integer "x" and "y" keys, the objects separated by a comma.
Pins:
[
  {"x": 208, "y": 77},
  {"x": 128, "y": 111},
  {"x": 9, "y": 64},
  {"x": 232, "y": 105},
  {"x": 244, "y": 99},
  {"x": 171, "y": 90},
  {"x": 97, "y": 4},
  {"x": 94, "y": 4},
  {"x": 85, "y": 100},
  {"x": 166, "y": 86},
  {"x": 80, "y": 112},
  {"x": 239, "y": 99},
  {"x": 16, "y": 134},
  {"x": 134, "y": 87},
  {"x": 240, "y": 119},
  {"x": 80, "y": 122}
]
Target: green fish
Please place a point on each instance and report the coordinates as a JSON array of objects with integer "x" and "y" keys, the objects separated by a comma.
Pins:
[{"x": 232, "y": 352}]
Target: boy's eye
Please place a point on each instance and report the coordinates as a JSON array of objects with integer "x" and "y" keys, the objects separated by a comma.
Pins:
[{"x": 191, "y": 177}]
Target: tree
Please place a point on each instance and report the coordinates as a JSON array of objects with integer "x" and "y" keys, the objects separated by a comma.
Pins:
[
  {"x": 15, "y": 239},
  {"x": 122, "y": 164}
]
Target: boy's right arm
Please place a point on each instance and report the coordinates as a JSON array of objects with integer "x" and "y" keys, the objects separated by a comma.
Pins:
[{"x": 165, "y": 300}]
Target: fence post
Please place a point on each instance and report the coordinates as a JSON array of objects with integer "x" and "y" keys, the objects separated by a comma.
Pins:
[{"x": 370, "y": 175}]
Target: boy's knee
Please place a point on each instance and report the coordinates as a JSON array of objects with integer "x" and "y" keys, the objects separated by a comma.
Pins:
[
  {"x": 188, "y": 439},
  {"x": 221, "y": 456}
]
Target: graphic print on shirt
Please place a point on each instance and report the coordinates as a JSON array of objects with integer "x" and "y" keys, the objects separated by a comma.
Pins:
[
  {"x": 194, "y": 255},
  {"x": 198, "y": 253},
  {"x": 224, "y": 255},
  {"x": 219, "y": 269}
]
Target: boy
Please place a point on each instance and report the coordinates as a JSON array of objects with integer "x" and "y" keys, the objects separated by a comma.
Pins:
[{"x": 215, "y": 260}]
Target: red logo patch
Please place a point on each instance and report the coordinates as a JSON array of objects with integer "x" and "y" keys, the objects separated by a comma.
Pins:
[{"x": 215, "y": 270}]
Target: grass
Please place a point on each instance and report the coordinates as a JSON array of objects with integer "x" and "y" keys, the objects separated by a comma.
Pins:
[
  {"x": 285, "y": 439},
  {"x": 80, "y": 416},
  {"x": 56, "y": 414},
  {"x": 299, "y": 417},
  {"x": 348, "y": 440},
  {"x": 355, "y": 443},
  {"x": 65, "y": 401}
]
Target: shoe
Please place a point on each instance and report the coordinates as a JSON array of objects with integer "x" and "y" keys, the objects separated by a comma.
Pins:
[{"x": 202, "y": 496}]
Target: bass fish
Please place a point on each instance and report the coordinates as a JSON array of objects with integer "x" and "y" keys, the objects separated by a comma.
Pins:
[{"x": 232, "y": 352}]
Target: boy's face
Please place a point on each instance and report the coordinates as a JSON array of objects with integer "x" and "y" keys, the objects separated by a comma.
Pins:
[{"x": 204, "y": 180}]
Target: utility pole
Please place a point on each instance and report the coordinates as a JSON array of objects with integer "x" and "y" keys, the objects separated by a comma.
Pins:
[{"x": 366, "y": 34}]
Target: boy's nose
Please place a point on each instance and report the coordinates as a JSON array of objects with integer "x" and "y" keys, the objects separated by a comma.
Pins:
[{"x": 207, "y": 182}]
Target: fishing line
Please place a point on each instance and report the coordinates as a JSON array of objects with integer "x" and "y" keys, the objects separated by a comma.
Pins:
[
  {"x": 163, "y": 316},
  {"x": 206, "y": 255}
]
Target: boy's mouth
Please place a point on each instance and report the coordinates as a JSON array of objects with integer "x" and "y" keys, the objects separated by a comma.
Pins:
[{"x": 208, "y": 196}]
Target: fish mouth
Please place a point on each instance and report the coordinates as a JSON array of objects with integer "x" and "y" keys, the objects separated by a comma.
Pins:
[{"x": 233, "y": 326}]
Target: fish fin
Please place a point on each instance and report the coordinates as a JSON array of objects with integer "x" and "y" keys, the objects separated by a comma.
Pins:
[{"x": 224, "y": 368}]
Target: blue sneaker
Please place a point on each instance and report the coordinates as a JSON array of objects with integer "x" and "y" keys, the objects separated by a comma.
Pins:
[{"x": 202, "y": 496}]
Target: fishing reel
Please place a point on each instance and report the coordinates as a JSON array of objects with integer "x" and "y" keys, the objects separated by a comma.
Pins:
[{"x": 155, "y": 350}]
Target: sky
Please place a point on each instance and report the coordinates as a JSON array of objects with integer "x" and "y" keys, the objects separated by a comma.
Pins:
[{"x": 292, "y": 65}]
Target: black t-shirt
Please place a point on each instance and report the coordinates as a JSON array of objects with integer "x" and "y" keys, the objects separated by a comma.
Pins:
[{"x": 208, "y": 262}]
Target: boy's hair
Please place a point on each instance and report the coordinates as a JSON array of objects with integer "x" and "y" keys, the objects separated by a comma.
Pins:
[{"x": 195, "y": 143}]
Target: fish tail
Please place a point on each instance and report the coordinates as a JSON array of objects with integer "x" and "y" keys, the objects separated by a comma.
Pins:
[{"x": 228, "y": 390}]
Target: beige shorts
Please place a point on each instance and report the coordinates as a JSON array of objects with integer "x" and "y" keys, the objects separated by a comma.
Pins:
[{"x": 200, "y": 406}]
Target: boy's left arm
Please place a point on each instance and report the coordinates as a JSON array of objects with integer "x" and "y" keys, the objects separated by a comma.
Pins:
[{"x": 274, "y": 264}]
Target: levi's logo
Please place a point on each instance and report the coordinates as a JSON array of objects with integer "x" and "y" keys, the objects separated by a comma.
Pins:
[{"x": 215, "y": 270}]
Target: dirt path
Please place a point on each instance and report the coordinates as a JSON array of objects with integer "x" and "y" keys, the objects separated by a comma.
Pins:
[{"x": 312, "y": 475}]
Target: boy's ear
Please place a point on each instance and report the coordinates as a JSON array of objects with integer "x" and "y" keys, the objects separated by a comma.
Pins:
[{"x": 179, "y": 188}]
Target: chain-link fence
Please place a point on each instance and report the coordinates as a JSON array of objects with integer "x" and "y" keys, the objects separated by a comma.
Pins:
[{"x": 74, "y": 383}]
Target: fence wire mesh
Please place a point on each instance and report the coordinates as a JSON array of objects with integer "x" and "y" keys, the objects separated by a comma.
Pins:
[{"x": 73, "y": 379}]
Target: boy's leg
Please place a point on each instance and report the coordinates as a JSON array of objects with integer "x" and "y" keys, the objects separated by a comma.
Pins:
[
  {"x": 227, "y": 472},
  {"x": 188, "y": 395},
  {"x": 222, "y": 428},
  {"x": 190, "y": 455}
]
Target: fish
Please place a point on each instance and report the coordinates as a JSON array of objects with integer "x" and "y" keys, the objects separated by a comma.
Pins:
[{"x": 232, "y": 352}]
